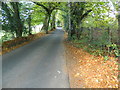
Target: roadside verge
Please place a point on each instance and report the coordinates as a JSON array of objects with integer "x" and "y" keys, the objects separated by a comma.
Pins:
[
  {"x": 19, "y": 42},
  {"x": 89, "y": 71}
]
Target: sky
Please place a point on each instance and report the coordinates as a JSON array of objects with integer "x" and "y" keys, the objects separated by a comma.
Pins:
[{"x": 113, "y": 13}]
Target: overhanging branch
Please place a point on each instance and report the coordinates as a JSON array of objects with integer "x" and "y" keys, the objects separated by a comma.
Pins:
[
  {"x": 85, "y": 14},
  {"x": 41, "y": 6}
]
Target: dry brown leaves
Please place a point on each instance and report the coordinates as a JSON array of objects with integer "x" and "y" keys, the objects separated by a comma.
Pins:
[{"x": 88, "y": 71}]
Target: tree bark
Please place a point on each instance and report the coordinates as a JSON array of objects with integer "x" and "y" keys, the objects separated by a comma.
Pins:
[
  {"x": 47, "y": 24},
  {"x": 44, "y": 23},
  {"x": 53, "y": 21},
  {"x": 76, "y": 16},
  {"x": 29, "y": 25},
  {"x": 9, "y": 16},
  {"x": 19, "y": 31},
  {"x": 119, "y": 29}
]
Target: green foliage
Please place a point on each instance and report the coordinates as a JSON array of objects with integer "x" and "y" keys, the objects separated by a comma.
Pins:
[
  {"x": 114, "y": 48},
  {"x": 38, "y": 15},
  {"x": 100, "y": 29},
  {"x": 106, "y": 58},
  {"x": 7, "y": 36},
  {"x": 94, "y": 17}
]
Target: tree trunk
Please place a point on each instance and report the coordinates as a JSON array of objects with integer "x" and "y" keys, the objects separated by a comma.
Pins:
[
  {"x": 119, "y": 29},
  {"x": 9, "y": 17},
  {"x": 29, "y": 25},
  {"x": 19, "y": 26},
  {"x": 47, "y": 24},
  {"x": 109, "y": 35},
  {"x": 76, "y": 17},
  {"x": 53, "y": 21},
  {"x": 44, "y": 23},
  {"x": 71, "y": 31}
]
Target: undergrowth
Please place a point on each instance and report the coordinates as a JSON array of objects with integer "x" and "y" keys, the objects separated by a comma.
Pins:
[{"x": 97, "y": 48}]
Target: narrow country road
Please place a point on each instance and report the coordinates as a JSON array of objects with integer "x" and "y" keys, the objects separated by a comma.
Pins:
[{"x": 40, "y": 64}]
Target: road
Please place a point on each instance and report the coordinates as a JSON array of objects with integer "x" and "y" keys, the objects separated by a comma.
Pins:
[{"x": 40, "y": 64}]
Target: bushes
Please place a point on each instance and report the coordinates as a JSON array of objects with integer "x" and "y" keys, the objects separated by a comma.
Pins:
[{"x": 97, "y": 43}]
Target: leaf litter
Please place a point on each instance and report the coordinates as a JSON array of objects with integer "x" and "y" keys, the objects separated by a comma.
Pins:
[{"x": 88, "y": 71}]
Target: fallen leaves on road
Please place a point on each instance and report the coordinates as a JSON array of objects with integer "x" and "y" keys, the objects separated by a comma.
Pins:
[{"x": 88, "y": 71}]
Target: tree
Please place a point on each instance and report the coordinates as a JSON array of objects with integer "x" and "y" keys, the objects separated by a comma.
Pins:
[
  {"x": 77, "y": 14},
  {"x": 119, "y": 24},
  {"x": 7, "y": 15},
  {"x": 13, "y": 17},
  {"x": 53, "y": 19},
  {"x": 17, "y": 19},
  {"x": 48, "y": 7},
  {"x": 29, "y": 24}
]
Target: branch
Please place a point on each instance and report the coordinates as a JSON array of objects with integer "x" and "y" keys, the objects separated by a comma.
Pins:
[
  {"x": 6, "y": 9},
  {"x": 41, "y": 6},
  {"x": 8, "y": 12},
  {"x": 56, "y": 6},
  {"x": 85, "y": 14}
]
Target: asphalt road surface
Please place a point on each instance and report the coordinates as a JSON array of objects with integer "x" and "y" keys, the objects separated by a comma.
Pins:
[{"x": 40, "y": 64}]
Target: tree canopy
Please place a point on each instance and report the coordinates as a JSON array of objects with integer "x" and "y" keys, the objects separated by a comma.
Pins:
[{"x": 77, "y": 18}]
